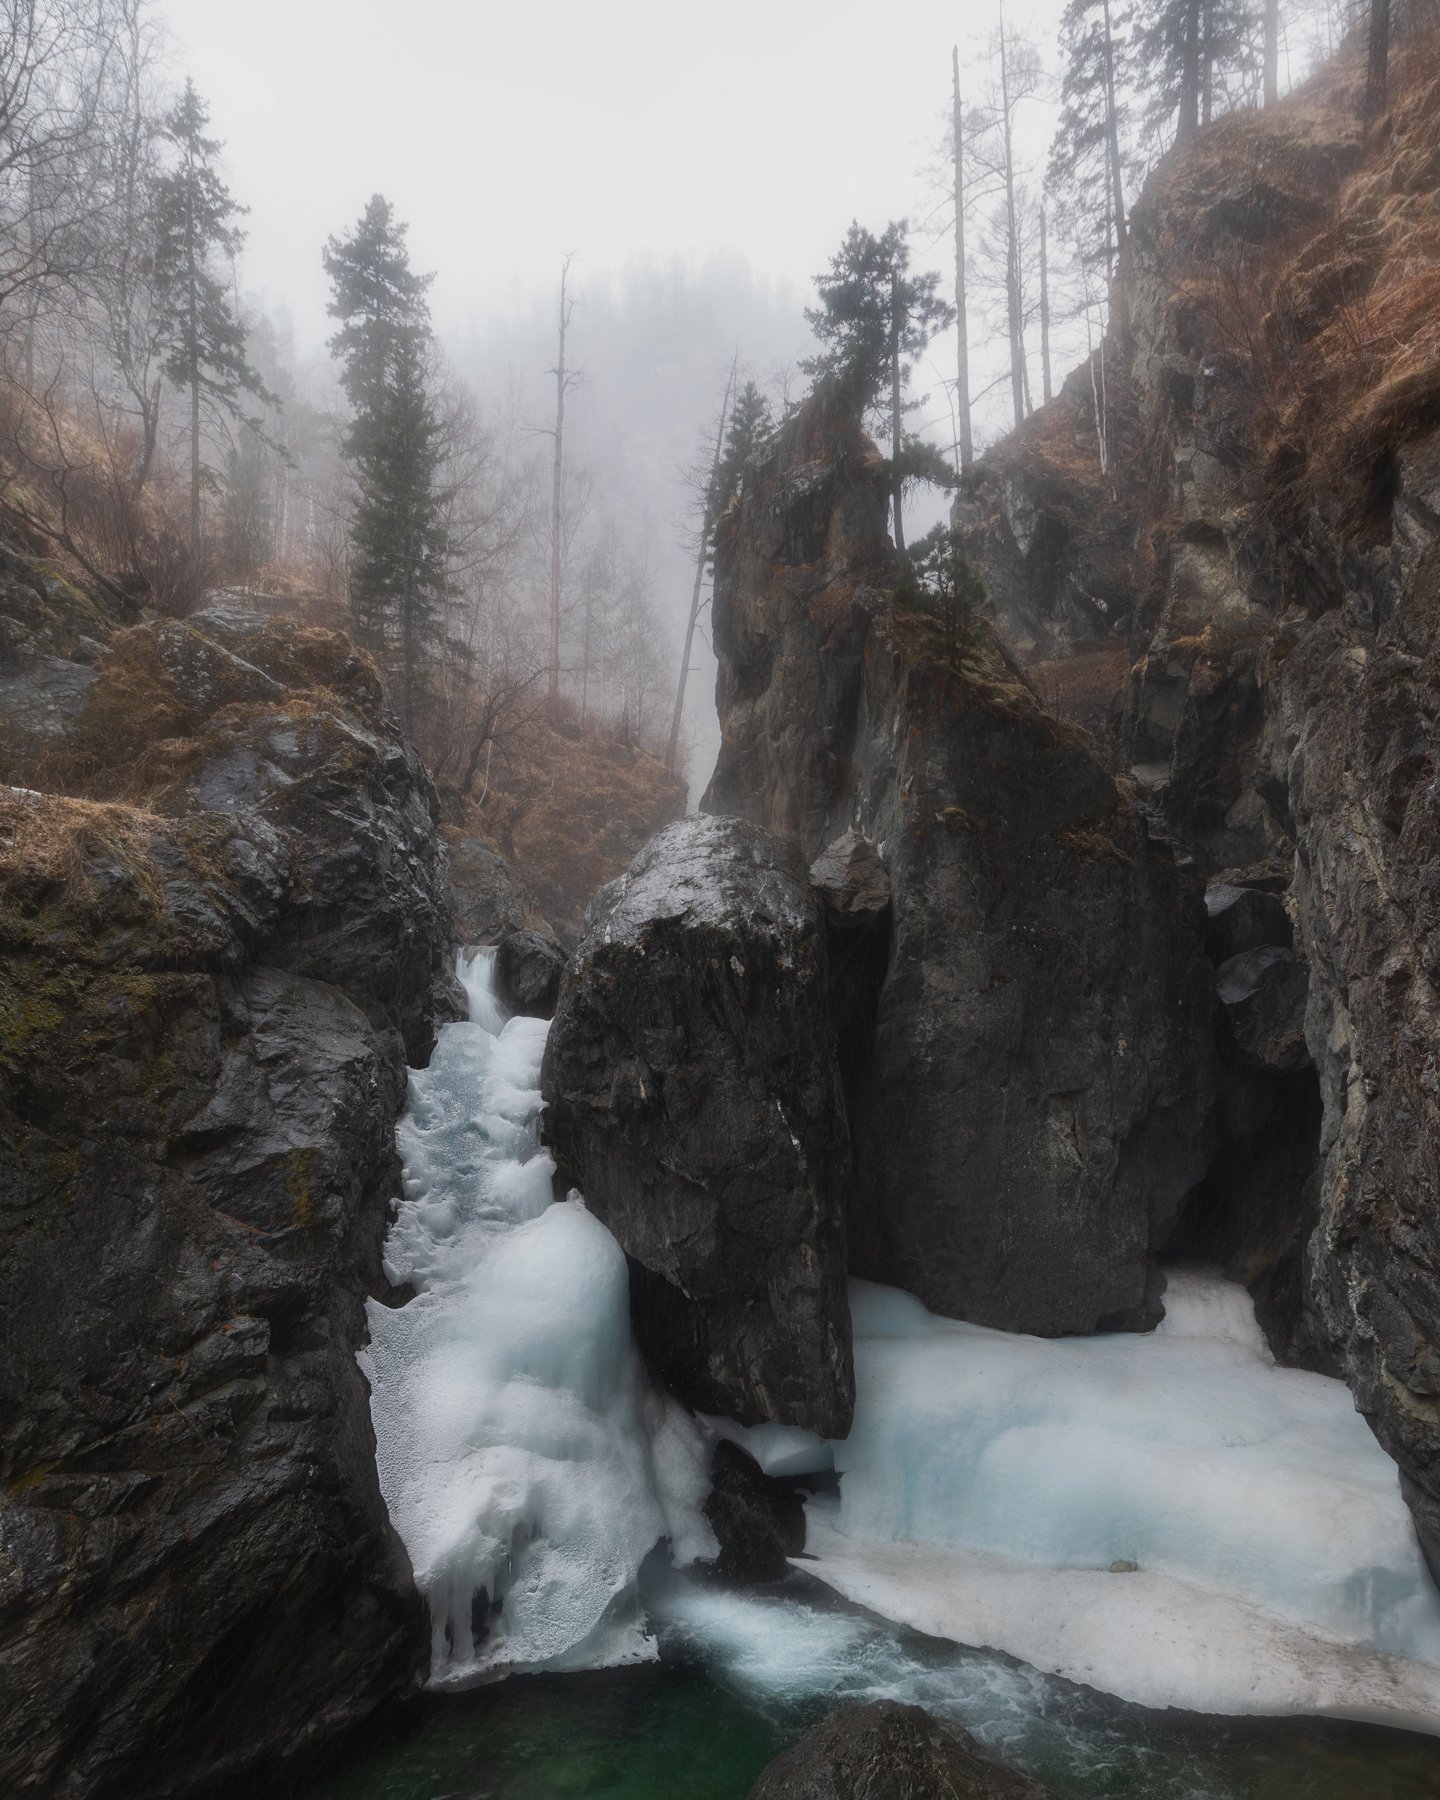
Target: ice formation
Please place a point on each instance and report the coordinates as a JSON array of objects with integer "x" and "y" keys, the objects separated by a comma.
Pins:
[
  {"x": 1171, "y": 1517},
  {"x": 526, "y": 1461}
]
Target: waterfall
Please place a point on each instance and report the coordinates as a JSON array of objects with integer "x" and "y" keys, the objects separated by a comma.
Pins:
[{"x": 526, "y": 1460}]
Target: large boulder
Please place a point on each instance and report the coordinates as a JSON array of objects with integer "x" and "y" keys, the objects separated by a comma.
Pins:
[
  {"x": 693, "y": 1093},
  {"x": 1029, "y": 1107},
  {"x": 890, "y": 1751},
  {"x": 528, "y": 965},
  {"x": 206, "y": 1007},
  {"x": 487, "y": 905}
]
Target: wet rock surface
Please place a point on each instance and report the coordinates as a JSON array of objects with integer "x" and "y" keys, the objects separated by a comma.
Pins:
[
  {"x": 693, "y": 1093},
  {"x": 889, "y": 1751},
  {"x": 206, "y": 1008},
  {"x": 1029, "y": 1110},
  {"x": 487, "y": 905},
  {"x": 527, "y": 973},
  {"x": 758, "y": 1519}
]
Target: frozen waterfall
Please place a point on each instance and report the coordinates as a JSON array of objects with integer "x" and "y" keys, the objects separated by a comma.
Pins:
[
  {"x": 1171, "y": 1518},
  {"x": 526, "y": 1461}
]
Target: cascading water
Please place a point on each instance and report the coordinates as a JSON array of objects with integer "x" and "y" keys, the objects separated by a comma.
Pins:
[{"x": 526, "y": 1460}]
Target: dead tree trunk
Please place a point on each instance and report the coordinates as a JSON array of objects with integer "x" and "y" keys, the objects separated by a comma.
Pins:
[
  {"x": 1272, "y": 51},
  {"x": 1189, "y": 119},
  {"x": 1044, "y": 311},
  {"x": 895, "y": 413},
  {"x": 1112, "y": 135},
  {"x": 702, "y": 554},
  {"x": 962, "y": 339},
  {"x": 1377, "y": 73},
  {"x": 562, "y": 382},
  {"x": 1013, "y": 299}
]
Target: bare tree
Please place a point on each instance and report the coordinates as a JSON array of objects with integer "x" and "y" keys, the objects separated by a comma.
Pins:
[
  {"x": 703, "y": 537},
  {"x": 962, "y": 337},
  {"x": 564, "y": 381},
  {"x": 1015, "y": 75}
]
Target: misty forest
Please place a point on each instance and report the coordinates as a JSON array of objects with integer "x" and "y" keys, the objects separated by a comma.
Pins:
[{"x": 720, "y": 901}]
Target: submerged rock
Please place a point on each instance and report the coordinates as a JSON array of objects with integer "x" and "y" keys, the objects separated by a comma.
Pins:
[
  {"x": 206, "y": 1007},
  {"x": 693, "y": 1094},
  {"x": 889, "y": 1751}
]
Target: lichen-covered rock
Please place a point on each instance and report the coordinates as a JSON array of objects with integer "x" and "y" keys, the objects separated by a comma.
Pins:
[
  {"x": 1029, "y": 1110},
  {"x": 889, "y": 1751},
  {"x": 693, "y": 1094},
  {"x": 206, "y": 1006}
]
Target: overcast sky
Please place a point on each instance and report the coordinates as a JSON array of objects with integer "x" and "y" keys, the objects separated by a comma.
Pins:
[{"x": 507, "y": 134}]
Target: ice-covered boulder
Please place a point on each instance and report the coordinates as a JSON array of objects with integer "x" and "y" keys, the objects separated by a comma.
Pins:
[
  {"x": 693, "y": 1093},
  {"x": 890, "y": 1751}
]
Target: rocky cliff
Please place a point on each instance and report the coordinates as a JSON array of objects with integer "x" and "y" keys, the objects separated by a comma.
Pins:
[
  {"x": 1030, "y": 1107},
  {"x": 1276, "y": 462},
  {"x": 225, "y": 925}
]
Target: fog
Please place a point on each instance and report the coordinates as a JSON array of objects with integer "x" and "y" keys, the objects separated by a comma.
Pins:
[{"x": 698, "y": 166}]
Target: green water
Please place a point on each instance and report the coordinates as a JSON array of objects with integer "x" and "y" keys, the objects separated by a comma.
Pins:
[{"x": 740, "y": 1677}]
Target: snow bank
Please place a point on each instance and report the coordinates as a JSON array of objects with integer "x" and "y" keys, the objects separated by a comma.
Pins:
[
  {"x": 526, "y": 1461},
  {"x": 992, "y": 1480}
]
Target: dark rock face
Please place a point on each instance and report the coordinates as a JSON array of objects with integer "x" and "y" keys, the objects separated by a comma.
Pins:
[
  {"x": 487, "y": 907},
  {"x": 205, "y": 1013},
  {"x": 1263, "y": 992},
  {"x": 1238, "y": 919},
  {"x": 693, "y": 1093},
  {"x": 1032, "y": 1111},
  {"x": 888, "y": 1751},
  {"x": 758, "y": 1520},
  {"x": 527, "y": 973},
  {"x": 849, "y": 876}
]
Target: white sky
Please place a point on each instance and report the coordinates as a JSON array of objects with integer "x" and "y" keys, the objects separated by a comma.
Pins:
[{"x": 507, "y": 134}]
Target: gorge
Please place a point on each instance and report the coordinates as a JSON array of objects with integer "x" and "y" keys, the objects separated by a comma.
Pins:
[{"x": 951, "y": 1225}]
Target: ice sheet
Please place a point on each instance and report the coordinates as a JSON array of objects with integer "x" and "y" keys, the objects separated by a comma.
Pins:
[{"x": 991, "y": 1481}]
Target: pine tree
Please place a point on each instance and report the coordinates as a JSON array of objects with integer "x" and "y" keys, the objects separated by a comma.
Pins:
[
  {"x": 1086, "y": 169},
  {"x": 395, "y": 447},
  {"x": 875, "y": 319},
  {"x": 750, "y": 425},
  {"x": 202, "y": 340},
  {"x": 1184, "y": 47}
]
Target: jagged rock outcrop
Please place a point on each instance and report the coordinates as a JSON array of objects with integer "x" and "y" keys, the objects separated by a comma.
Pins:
[
  {"x": 1031, "y": 1109},
  {"x": 208, "y": 995},
  {"x": 693, "y": 1093},
  {"x": 1282, "y": 467},
  {"x": 889, "y": 1751}
]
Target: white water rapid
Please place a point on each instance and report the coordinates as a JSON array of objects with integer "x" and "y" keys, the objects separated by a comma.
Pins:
[{"x": 1171, "y": 1518}]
